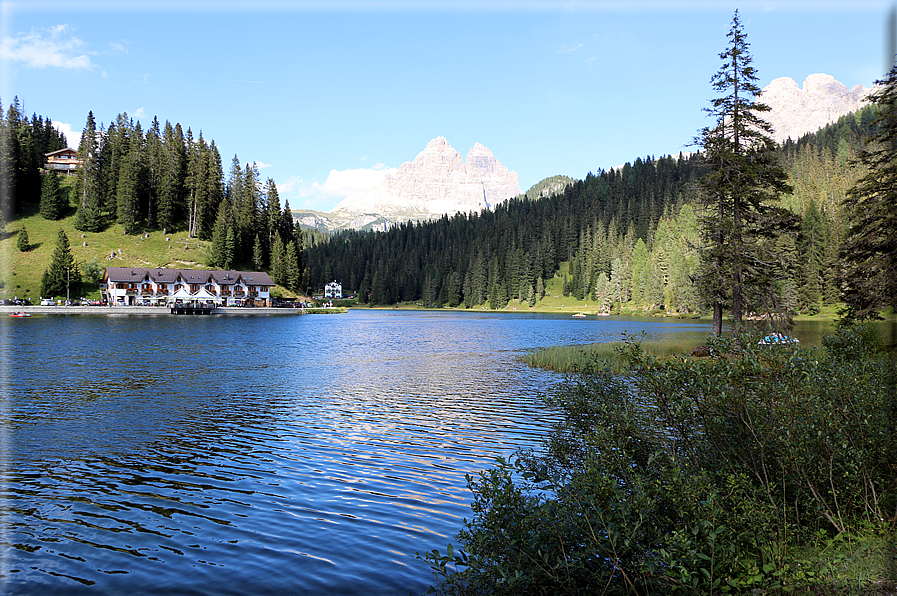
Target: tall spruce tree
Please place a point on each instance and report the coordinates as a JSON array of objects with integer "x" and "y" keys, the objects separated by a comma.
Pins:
[
  {"x": 62, "y": 272},
  {"x": 88, "y": 186},
  {"x": 51, "y": 198},
  {"x": 130, "y": 183},
  {"x": 742, "y": 182},
  {"x": 869, "y": 251},
  {"x": 291, "y": 267}
]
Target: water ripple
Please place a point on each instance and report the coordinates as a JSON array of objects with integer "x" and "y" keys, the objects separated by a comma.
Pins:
[{"x": 265, "y": 455}]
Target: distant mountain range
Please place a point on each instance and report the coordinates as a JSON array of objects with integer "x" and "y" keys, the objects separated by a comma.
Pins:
[{"x": 437, "y": 182}]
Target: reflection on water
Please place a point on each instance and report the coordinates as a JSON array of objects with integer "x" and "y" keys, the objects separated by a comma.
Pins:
[{"x": 259, "y": 454}]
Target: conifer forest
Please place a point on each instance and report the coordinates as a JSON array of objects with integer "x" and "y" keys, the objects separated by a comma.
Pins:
[
  {"x": 629, "y": 239},
  {"x": 632, "y": 238}
]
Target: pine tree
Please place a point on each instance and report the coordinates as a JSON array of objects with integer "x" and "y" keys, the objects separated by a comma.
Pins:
[
  {"x": 51, "y": 198},
  {"x": 131, "y": 182},
  {"x": 230, "y": 249},
  {"x": 278, "y": 263},
  {"x": 88, "y": 187},
  {"x": 23, "y": 244},
  {"x": 869, "y": 251},
  {"x": 154, "y": 163},
  {"x": 258, "y": 254},
  {"x": 219, "y": 238},
  {"x": 291, "y": 267},
  {"x": 172, "y": 177},
  {"x": 62, "y": 272},
  {"x": 743, "y": 179},
  {"x": 811, "y": 256}
]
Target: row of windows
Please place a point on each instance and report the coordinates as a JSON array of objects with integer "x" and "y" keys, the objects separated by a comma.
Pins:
[{"x": 193, "y": 287}]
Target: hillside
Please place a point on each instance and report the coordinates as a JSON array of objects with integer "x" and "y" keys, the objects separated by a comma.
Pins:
[
  {"x": 624, "y": 239},
  {"x": 109, "y": 248}
]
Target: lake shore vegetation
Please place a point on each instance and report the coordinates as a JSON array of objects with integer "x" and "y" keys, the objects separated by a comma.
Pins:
[{"x": 770, "y": 468}]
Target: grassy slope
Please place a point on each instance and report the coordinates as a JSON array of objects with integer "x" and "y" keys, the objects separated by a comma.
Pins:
[{"x": 21, "y": 272}]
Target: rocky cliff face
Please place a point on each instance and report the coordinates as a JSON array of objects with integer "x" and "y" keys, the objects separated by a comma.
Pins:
[
  {"x": 797, "y": 111},
  {"x": 437, "y": 182}
]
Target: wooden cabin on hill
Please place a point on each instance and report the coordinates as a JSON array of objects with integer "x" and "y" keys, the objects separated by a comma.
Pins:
[{"x": 63, "y": 161}]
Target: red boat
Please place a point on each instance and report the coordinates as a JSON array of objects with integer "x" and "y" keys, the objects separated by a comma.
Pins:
[{"x": 19, "y": 314}]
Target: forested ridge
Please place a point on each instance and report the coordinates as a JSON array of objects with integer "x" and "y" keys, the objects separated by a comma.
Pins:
[{"x": 631, "y": 237}]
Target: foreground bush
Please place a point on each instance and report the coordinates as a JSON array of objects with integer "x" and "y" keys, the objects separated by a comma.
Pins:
[{"x": 763, "y": 467}]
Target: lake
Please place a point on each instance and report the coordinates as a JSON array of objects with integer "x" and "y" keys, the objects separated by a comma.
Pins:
[{"x": 262, "y": 454}]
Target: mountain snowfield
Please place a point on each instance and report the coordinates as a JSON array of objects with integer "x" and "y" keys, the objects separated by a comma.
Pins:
[{"x": 438, "y": 182}]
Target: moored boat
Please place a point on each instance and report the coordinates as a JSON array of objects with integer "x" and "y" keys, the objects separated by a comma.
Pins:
[{"x": 19, "y": 314}]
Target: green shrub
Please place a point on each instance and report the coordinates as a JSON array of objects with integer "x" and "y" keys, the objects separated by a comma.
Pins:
[{"x": 696, "y": 477}]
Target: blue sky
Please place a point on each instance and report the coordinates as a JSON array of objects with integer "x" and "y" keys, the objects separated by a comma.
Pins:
[{"x": 325, "y": 96}]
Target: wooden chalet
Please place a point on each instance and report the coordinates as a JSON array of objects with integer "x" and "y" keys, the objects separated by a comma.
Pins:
[{"x": 63, "y": 161}]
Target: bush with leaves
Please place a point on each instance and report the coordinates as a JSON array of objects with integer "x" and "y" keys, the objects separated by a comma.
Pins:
[{"x": 691, "y": 476}]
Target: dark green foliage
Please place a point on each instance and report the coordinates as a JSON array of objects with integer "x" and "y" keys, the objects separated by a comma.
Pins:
[
  {"x": 88, "y": 188},
  {"x": 53, "y": 203},
  {"x": 278, "y": 262},
  {"x": 23, "y": 244},
  {"x": 498, "y": 254},
  {"x": 172, "y": 177},
  {"x": 741, "y": 260},
  {"x": 63, "y": 272},
  {"x": 131, "y": 184},
  {"x": 291, "y": 260},
  {"x": 23, "y": 144},
  {"x": 695, "y": 477},
  {"x": 811, "y": 256},
  {"x": 258, "y": 255},
  {"x": 870, "y": 248}
]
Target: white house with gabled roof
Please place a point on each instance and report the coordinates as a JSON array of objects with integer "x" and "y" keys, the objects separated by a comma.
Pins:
[
  {"x": 132, "y": 286},
  {"x": 333, "y": 290}
]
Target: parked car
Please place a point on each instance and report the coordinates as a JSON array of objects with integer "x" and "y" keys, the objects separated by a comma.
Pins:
[{"x": 47, "y": 302}]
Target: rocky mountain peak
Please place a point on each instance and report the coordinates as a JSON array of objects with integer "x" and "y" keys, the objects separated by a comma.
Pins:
[
  {"x": 797, "y": 111},
  {"x": 436, "y": 182}
]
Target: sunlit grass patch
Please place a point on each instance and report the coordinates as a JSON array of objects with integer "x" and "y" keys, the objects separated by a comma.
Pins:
[{"x": 579, "y": 358}]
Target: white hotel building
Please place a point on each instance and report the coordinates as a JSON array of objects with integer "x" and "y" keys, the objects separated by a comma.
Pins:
[{"x": 134, "y": 286}]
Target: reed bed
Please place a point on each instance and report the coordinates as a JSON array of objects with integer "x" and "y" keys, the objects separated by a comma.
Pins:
[{"x": 573, "y": 359}]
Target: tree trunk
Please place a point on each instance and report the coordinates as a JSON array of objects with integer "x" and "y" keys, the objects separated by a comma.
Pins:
[{"x": 717, "y": 328}]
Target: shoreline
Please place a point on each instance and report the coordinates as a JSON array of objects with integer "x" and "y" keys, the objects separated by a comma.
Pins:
[{"x": 139, "y": 310}]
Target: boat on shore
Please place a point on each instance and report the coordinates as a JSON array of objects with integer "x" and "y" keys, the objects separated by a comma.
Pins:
[{"x": 777, "y": 339}]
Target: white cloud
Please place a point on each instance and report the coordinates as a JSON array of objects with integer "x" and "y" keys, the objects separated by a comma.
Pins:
[
  {"x": 323, "y": 196},
  {"x": 119, "y": 47},
  {"x": 342, "y": 183},
  {"x": 40, "y": 48},
  {"x": 73, "y": 137},
  {"x": 565, "y": 49},
  {"x": 139, "y": 112},
  {"x": 262, "y": 165}
]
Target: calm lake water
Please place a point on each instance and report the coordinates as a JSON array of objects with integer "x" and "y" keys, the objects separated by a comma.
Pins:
[{"x": 260, "y": 454}]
